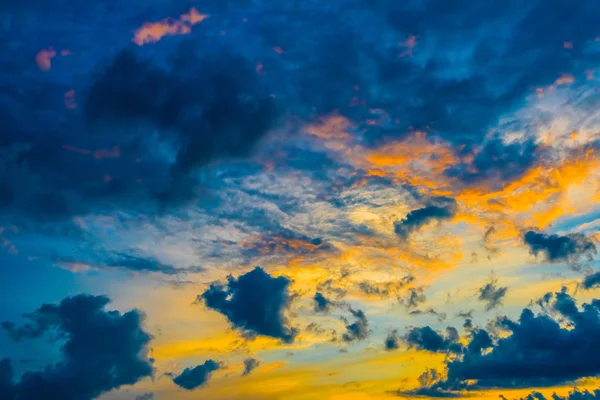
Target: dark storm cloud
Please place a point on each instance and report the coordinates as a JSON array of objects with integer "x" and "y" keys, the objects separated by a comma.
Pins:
[
  {"x": 255, "y": 303},
  {"x": 114, "y": 151},
  {"x": 193, "y": 378},
  {"x": 250, "y": 364},
  {"x": 557, "y": 248},
  {"x": 492, "y": 294},
  {"x": 591, "y": 281},
  {"x": 441, "y": 208},
  {"x": 359, "y": 329},
  {"x": 321, "y": 303},
  {"x": 554, "y": 347},
  {"x": 103, "y": 350}
]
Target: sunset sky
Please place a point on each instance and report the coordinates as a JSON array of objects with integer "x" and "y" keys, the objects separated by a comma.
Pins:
[{"x": 250, "y": 199}]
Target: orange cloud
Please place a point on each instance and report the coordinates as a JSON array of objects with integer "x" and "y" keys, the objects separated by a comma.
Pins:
[
  {"x": 565, "y": 79},
  {"x": 43, "y": 59},
  {"x": 151, "y": 32}
]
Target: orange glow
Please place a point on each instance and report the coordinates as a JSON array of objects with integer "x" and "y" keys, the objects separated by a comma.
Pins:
[
  {"x": 409, "y": 44},
  {"x": 151, "y": 32},
  {"x": 43, "y": 59},
  {"x": 565, "y": 79}
]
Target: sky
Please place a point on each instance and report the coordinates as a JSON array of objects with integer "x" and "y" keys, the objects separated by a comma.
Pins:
[{"x": 243, "y": 199}]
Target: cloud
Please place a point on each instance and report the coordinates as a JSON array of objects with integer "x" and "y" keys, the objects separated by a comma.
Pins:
[
  {"x": 322, "y": 304},
  {"x": 430, "y": 311},
  {"x": 193, "y": 378},
  {"x": 554, "y": 347},
  {"x": 426, "y": 338},
  {"x": 573, "y": 395},
  {"x": 496, "y": 161},
  {"x": 591, "y": 281},
  {"x": 142, "y": 129},
  {"x": 358, "y": 330},
  {"x": 414, "y": 298},
  {"x": 122, "y": 260},
  {"x": 556, "y": 248},
  {"x": 255, "y": 303},
  {"x": 392, "y": 341},
  {"x": 250, "y": 364},
  {"x": 441, "y": 208},
  {"x": 145, "y": 396},
  {"x": 491, "y": 294},
  {"x": 103, "y": 350}
]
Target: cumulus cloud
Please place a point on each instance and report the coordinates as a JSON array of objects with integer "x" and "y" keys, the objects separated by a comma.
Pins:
[
  {"x": 573, "y": 395},
  {"x": 557, "y": 248},
  {"x": 255, "y": 303},
  {"x": 426, "y": 338},
  {"x": 103, "y": 350},
  {"x": 591, "y": 281},
  {"x": 554, "y": 347},
  {"x": 193, "y": 378}
]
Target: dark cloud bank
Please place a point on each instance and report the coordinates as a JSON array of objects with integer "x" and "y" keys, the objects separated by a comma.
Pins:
[
  {"x": 102, "y": 351},
  {"x": 539, "y": 350}
]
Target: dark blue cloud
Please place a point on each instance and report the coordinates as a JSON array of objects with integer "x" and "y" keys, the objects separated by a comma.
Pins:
[
  {"x": 591, "y": 281},
  {"x": 492, "y": 294},
  {"x": 441, "y": 208},
  {"x": 322, "y": 303},
  {"x": 554, "y": 347},
  {"x": 193, "y": 378},
  {"x": 392, "y": 341},
  {"x": 426, "y": 338},
  {"x": 255, "y": 303},
  {"x": 105, "y": 154},
  {"x": 496, "y": 161},
  {"x": 573, "y": 395},
  {"x": 556, "y": 248},
  {"x": 250, "y": 364},
  {"x": 359, "y": 329},
  {"x": 102, "y": 351}
]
